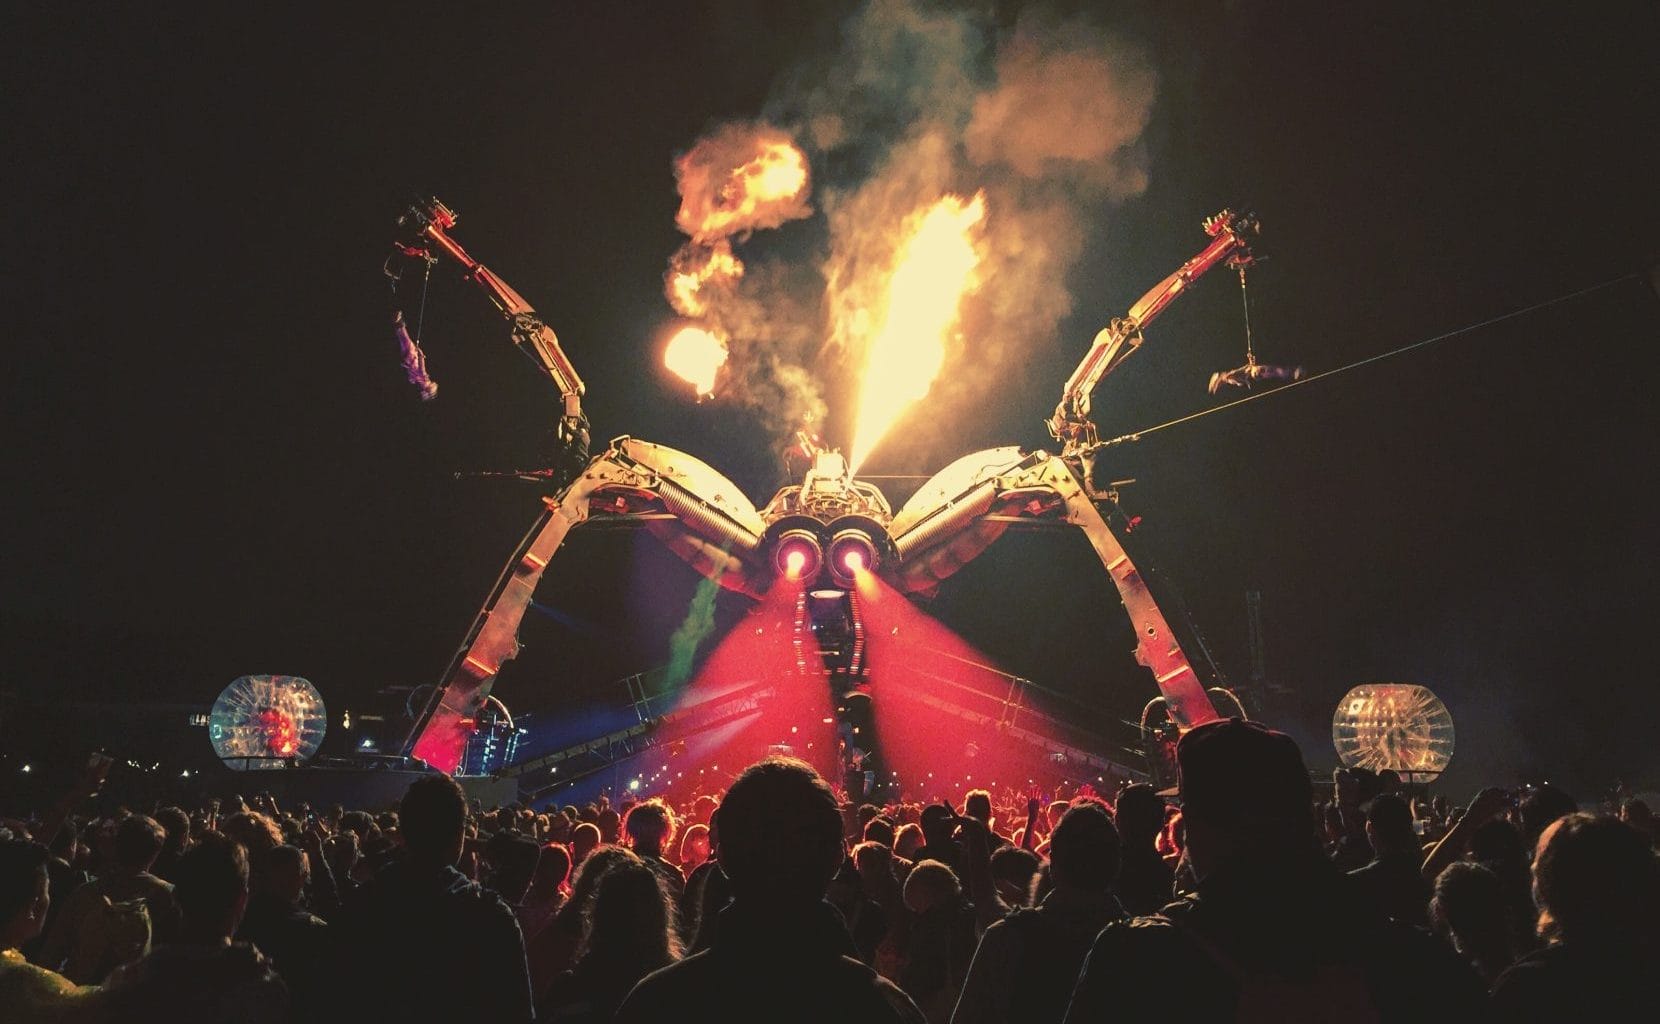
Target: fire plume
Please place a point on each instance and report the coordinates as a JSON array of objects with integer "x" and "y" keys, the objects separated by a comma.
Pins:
[
  {"x": 936, "y": 266},
  {"x": 738, "y": 180},
  {"x": 696, "y": 354}
]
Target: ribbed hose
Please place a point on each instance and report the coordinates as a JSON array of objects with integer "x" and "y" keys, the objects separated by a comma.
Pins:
[
  {"x": 704, "y": 521},
  {"x": 947, "y": 520}
]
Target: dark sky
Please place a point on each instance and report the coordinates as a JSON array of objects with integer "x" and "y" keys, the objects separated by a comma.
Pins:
[{"x": 213, "y": 466}]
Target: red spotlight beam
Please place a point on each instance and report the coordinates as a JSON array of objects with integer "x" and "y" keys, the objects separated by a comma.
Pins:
[
  {"x": 899, "y": 630},
  {"x": 1011, "y": 677},
  {"x": 929, "y": 556},
  {"x": 1025, "y": 736}
]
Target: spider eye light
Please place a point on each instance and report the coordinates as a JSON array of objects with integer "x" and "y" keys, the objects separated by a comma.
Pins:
[
  {"x": 798, "y": 555},
  {"x": 852, "y": 552}
]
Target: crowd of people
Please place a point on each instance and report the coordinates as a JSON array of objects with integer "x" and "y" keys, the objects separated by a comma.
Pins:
[{"x": 1249, "y": 894}]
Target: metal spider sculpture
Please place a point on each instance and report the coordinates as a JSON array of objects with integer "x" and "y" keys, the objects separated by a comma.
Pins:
[{"x": 830, "y": 526}]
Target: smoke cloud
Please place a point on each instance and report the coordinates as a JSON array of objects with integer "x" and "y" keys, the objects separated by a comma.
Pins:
[
  {"x": 920, "y": 101},
  {"x": 1069, "y": 106}
]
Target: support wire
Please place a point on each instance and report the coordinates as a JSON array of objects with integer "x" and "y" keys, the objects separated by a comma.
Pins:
[{"x": 1501, "y": 318}]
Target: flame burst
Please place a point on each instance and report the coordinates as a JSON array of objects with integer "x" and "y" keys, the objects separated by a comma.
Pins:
[
  {"x": 740, "y": 180},
  {"x": 696, "y": 271},
  {"x": 936, "y": 266},
  {"x": 696, "y": 355}
]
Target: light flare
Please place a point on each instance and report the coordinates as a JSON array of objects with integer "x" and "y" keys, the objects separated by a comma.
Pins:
[
  {"x": 936, "y": 266},
  {"x": 794, "y": 562},
  {"x": 696, "y": 354}
]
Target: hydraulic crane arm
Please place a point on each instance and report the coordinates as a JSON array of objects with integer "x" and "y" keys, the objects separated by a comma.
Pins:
[
  {"x": 429, "y": 222},
  {"x": 1230, "y": 234}
]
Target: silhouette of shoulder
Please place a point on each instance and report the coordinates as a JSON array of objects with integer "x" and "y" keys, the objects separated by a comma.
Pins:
[
  {"x": 709, "y": 986},
  {"x": 1136, "y": 963}
]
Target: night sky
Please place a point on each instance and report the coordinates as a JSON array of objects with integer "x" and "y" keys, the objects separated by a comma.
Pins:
[{"x": 213, "y": 466}]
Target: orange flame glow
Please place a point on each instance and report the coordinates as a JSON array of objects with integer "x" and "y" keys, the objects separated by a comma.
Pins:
[
  {"x": 697, "y": 269},
  {"x": 937, "y": 264},
  {"x": 696, "y": 355},
  {"x": 739, "y": 180}
]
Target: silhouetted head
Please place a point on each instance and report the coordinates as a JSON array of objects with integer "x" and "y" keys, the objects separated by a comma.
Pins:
[
  {"x": 879, "y": 830},
  {"x": 512, "y": 859},
  {"x": 211, "y": 886},
  {"x": 908, "y": 840},
  {"x": 1541, "y": 806},
  {"x": 929, "y": 885},
  {"x": 1084, "y": 849},
  {"x": 1498, "y": 844},
  {"x": 780, "y": 834},
  {"x": 1245, "y": 792},
  {"x": 176, "y": 823},
  {"x": 342, "y": 853},
  {"x": 137, "y": 841},
  {"x": 874, "y": 862},
  {"x": 592, "y": 870},
  {"x": 1138, "y": 815},
  {"x": 1470, "y": 903},
  {"x": 631, "y": 925},
  {"x": 584, "y": 840},
  {"x": 694, "y": 846},
  {"x": 1389, "y": 826},
  {"x": 650, "y": 827},
  {"x": 432, "y": 819},
  {"x": 1594, "y": 879},
  {"x": 609, "y": 824},
  {"x": 1011, "y": 870},
  {"x": 281, "y": 873},
  {"x": 255, "y": 831},
  {"x": 977, "y": 804},
  {"x": 702, "y": 809},
  {"x": 938, "y": 822},
  {"x": 553, "y": 867}
]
